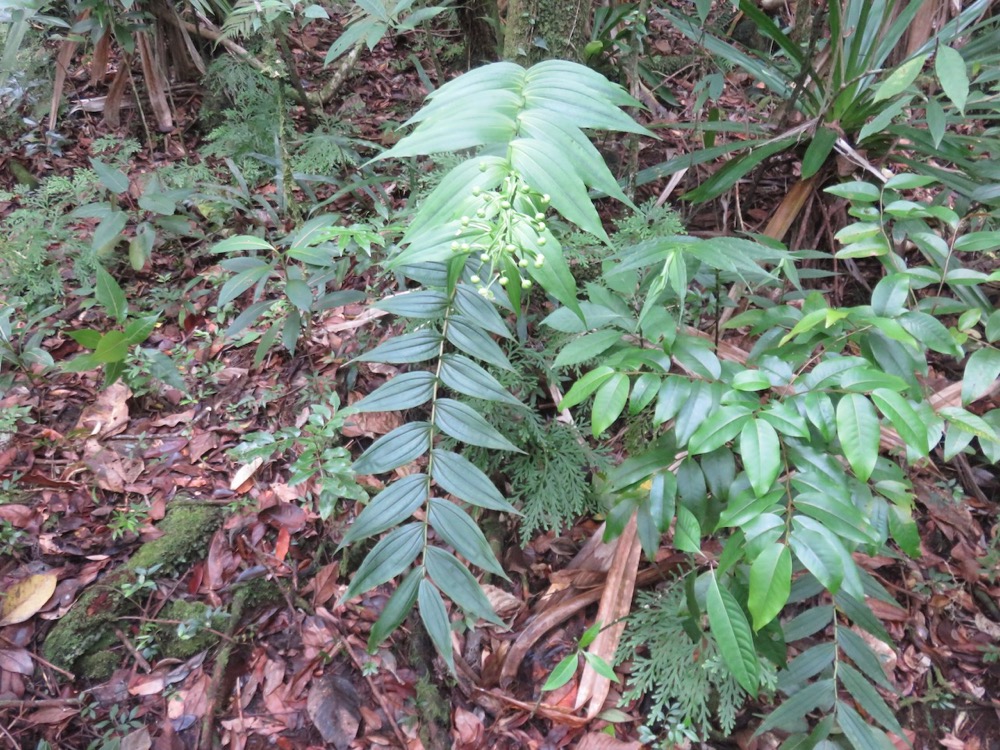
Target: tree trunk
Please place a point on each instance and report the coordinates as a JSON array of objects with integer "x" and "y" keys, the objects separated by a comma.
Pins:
[
  {"x": 479, "y": 22},
  {"x": 542, "y": 29}
]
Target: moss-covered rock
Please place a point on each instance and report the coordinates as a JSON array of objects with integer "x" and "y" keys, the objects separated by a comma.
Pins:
[
  {"x": 186, "y": 531},
  {"x": 172, "y": 644},
  {"x": 99, "y": 665}
]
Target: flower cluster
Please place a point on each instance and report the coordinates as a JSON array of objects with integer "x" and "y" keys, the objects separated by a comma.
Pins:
[{"x": 506, "y": 232}]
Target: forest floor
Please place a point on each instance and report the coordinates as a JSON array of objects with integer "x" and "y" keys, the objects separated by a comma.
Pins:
[{"x": 123, "y": 516}]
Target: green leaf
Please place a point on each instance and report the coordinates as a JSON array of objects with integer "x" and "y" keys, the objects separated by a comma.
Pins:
[
  {"x": 241, "y": 243},
  {"x": 721, "y": 427},
  {"x": 930, "y": 332},
  {"x": 463, "y": 375},
  {"x": 140, "y": 247},
  {"x": 950, "y": 68},
  {"x": 900, "y": 79},
  {"x": 839, "y": 516},
  {"x": 463, "y": 423},
  {"x": 808, "y": 623},
  {"x": 785, "y": 419},
  {"x": 399, "y": 447},
  {"x": 770, "y": 584},
  {"x": 816, "y": 551},
  {"x": 600, "y": 666},
  {"x": 967, "y": 421},
  {"x": 138, "y": 330},
  {"x": 856, "y": 730},
  {"x": 903, "y": 418},
  {"x": 818, "y": 151},
  {"x": 798, "y": 706},
  {"x": 396, "y": 609},
  {"x": 472, "y": 340},
  {"x": 856, "y": 192},
  {"x": 406, "y": 349},
  {"x": 394, "y": 504},
  {"x": 687, "y": 532},
  {"x": 113, "y": 347},
  {"x": 585, "y": 386},
  {"x": 110, "y": 295},
  {"x": 463, "y": 479},
  {"x": 981, "y": 372},
  {"x": 458, "y": 584},
  {"x": 388, "y": 559},
  {"x": 864, "y": 658},
  {"x": 562, "y": 673},
  {"x": 479, "y": 311},
  {"x": 406, "y": 391},
  {"x": 435, "y": 619},
  {"x": 423, "y": 304},
  {"x": 858, "y": 431},
  {"x": 609, "y": 402},
  {"x": 806, "y": 665},
  {"x": 88, "y": 338},
  {"x": 242, "y": 281},
  {"x": 696, "y": 355},
  {"x": 662, "y": 499},
  {"x": 299, "y": 294},
  {"x": 732, "y": 635},
  {"x": 462, "y": 533},
  {"x": 587, "y": 347},
  {"x": 108, "y": 233},
  {"x": 760, "y": 451},
  {"x": 113, "y": 179}
]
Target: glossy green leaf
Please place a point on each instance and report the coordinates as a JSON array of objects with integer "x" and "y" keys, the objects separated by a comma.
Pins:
[
  {"x": 435, "y": 618},
  {"x": 587, "y": 347},
  {"x": 585, "y": 386},
  {"x": 721, "y": 427},
  {"x": 858, "y": 431},
  {"x": 399, "y": 447},
  {"x": 462, "y": 478},
  {"x": 406, "y": 349},
  {"x": 903, "y": 418},
  {"x": 396, "y": 609},
  {"x": 113, "y": 347},
  {"x": 394, "y": 504},
  {"x": 422, "y": 304},
  {"x": 856, "y": 192},
  {"x": 463, "y": 423},
  {"x": 819, "y": 150},
  {"x": 600, "y": 666},
  {"x": 981, "y": 372},
  {"x": 457, "y": 583},
  {"x": 388, "y": 559},
  {"x": 732, "y": 635},
  {"x": 406, "y": 391},
  {"x": 900, "y": 79},
  {"x": 770, "y": 584},
  {"x": 760, "y": 451},
  {"x": 243, "y": 280},
  {"x": 816, "y": 551},
  {"x": 662, "y": 499},
  {"x": 609, "y": 402},
  {"x": 461, "y": 532}
]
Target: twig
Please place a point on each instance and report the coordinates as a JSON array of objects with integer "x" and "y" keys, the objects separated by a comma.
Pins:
[{"x": 328, "y": 91}]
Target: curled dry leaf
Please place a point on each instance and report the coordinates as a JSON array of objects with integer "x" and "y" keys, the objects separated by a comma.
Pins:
[{"x": 25, "y": 598}]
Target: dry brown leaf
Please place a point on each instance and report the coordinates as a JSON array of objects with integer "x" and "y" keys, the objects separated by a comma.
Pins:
[
  {"x": 16, "y": 660},
  {"x": 244, "y": 473},
  {"x": 25, "y": 598},
  {"x": 602, "y": 741},
  {"x": 108, "y": 415},
  {"x": 333, "y": 707}
]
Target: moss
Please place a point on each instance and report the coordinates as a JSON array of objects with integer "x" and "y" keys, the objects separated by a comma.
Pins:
[
  {"x": 175, "y": 647},
  {"x": 186, "y": 533},
  {"x": 99, "y": 665},
  {"x": 255, "y": 593}
]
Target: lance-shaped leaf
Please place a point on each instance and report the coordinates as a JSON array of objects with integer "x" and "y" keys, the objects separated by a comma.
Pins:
[
  {"x": 462, "y": 533},
  {"x": 461, "y": 422},
  {"x": 391, "y": 451},
  {"x": 393, "y": 504},
  {"x": 466, "y": 481},
  {"x": 471, "y": 339},
  {"x": 463, "y": 375},
  {"x": 408, "y": 348},
  {"x": 868, "y": 697},
  {"x": 404, "y": 391},
  {"x": 435, "y": 619},
  {"x": 858, "y": 430},
  {"x": 387, "y": 559},
  {"x": 609, "y": 402},
  {"x": 457, "y": 583},
  {"x": 732, "y": 635},
  {"x": 903, "y": 418},
  {"x": 422, "y": 304},
  {"x": 477, "y": 310},
  {"x": 721, "y": 427},
  {"x": 770, "y": 584},
  {"x": 760, "y": 451},
  {"x": 396, "y": 609}
]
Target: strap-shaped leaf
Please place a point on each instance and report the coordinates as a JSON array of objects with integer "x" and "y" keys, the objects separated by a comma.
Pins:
[
  {"x": 435, "y": 619},
  {"x": 423, "y": 304},
  {"x": 467, "y": 88},
  {"x": 816, "y": 551},
  {"x": 819, "y": 694},
  {"x": 857, "y": 730},
  {"x": 461, "y": 422},
  {"x": 391, "y": 451},
  {"x": 457, "y": 583},
  {"x": 863, "y": 692},
  {"x": 554, "y": 275},
  {"x": 465, "y": 128},
  {"x": 809, "y": 622},
  {"x": 563, "y": 74},
  {"x": 587, "y": 347},
  {"x": 387, "y": 559},
  {"x": 466, "y": 481},
  {"x": 393, "y": 504},
  {"x": 463, "y": 375},
  {"x": 461, "y": 532},
  {"x": 806, "y": 665},
  {"x": 770, "y": 584},
  {"x": 864, "y": 658},
  {"x": 401, "y": 392},
  {"x": 396, "y": 609},
  {"x": 732, "y": 635},
  {"x": 406, "y": 349},
  {"x": 242, "y": 281},
  {"x": 471, "y": 339}
]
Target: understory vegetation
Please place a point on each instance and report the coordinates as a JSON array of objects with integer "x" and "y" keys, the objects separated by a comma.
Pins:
[{"x": 348, "y": 395}]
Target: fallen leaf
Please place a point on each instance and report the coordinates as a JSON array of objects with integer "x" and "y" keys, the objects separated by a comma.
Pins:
[
  {"x": 26, "y": 597},
  {"x": 51, "y": 715},
  {"x": 137, "y": 740},
  {"x": 16, "y": 660},
  {"x": 108, "y": 415},
  {"x": 602, "y": 741},
  {"x": 333, "y": 707},
  {"x": 243, "y": 474}
]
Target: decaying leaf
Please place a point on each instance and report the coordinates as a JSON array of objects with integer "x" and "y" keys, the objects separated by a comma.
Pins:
[
  {"x": 25, "y": 598},
  {"x": 333, "y": 707}
]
